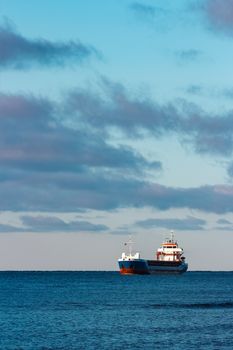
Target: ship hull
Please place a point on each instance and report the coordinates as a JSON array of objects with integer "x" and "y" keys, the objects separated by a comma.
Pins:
[
  {"x": 147, "y": 267},
  {"x": 172, "y": 267},
  {"x": 133, "y": 267}
]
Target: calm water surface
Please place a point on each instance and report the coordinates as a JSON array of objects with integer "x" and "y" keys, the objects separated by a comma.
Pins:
[{"x": 104, "y": 310}]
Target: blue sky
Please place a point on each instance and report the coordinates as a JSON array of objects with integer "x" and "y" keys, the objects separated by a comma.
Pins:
[{"x": 116, "y": 119}]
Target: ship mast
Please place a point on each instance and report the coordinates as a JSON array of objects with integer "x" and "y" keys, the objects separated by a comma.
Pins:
[
  {"x": 172, "y": 236},
  {"x": 130, "y": 243}
]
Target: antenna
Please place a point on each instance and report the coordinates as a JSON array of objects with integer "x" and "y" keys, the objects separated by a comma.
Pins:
[
  {"x": 130, "y": 242},
  {"x": 172, "y": 235}
]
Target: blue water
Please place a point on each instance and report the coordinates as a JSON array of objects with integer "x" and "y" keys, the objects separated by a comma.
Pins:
[{"x": 104, "y": 310}]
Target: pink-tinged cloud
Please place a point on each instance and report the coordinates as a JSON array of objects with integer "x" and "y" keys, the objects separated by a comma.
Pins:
[
  {"x": 224, "y": 189},
  {"x": 220, "y": 14}
]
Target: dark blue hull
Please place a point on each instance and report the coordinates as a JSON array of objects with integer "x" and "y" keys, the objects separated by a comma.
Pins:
[
  {"x": 174, "y": 267},
  {"x": 131, "y": 267}
]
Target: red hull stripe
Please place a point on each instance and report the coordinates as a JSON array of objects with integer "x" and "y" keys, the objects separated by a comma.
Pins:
[{"x": 129, "y": 271}]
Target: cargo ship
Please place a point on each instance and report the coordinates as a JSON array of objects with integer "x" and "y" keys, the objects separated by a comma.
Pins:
[{"x": 169, "y": 259}]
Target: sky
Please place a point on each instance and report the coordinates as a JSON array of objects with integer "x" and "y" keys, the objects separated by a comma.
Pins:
[{"x": 116, "y": 119}]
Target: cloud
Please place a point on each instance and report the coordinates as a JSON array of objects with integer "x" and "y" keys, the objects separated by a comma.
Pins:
[
  {"x": 215, "y": 199},
  {"x": 188, "y": 223},
  {"x": 33, "y": 138},
  {"x": 52, "y": 224},
  {"x": 203, "y": 91},
  {"x": 100, "y": 190},
  {"x": 219, "y": 14},
  {"x": 224, "y": 225},
  {"x": 46, "y": 164},
  {"x": 146, "y": 11},
  {"x": 50, "y": 165},
  {"x": 18, "y": 52},
  {"x": 9, "y": 228},
  {"x": 194, "y": 90},
  {"x": 188, "y": 55},
  {"x": 228, "y": 93},
  {"x": 116, "y": 108},
  {"x": 230, "y": 169},
  {"x": 224, "y": 222},
  {"x": 55, "y": 224}
]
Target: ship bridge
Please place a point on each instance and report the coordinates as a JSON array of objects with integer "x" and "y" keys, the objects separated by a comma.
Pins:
[{"x": 169, "y": 250}]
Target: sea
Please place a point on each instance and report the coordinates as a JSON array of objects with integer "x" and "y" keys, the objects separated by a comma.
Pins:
[{"x": 105, "y": 310}]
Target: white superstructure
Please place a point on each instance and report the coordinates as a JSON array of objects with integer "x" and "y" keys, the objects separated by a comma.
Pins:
[
  {"x": 169, "y": 250},
  {"x": 130, "y": 256}
]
